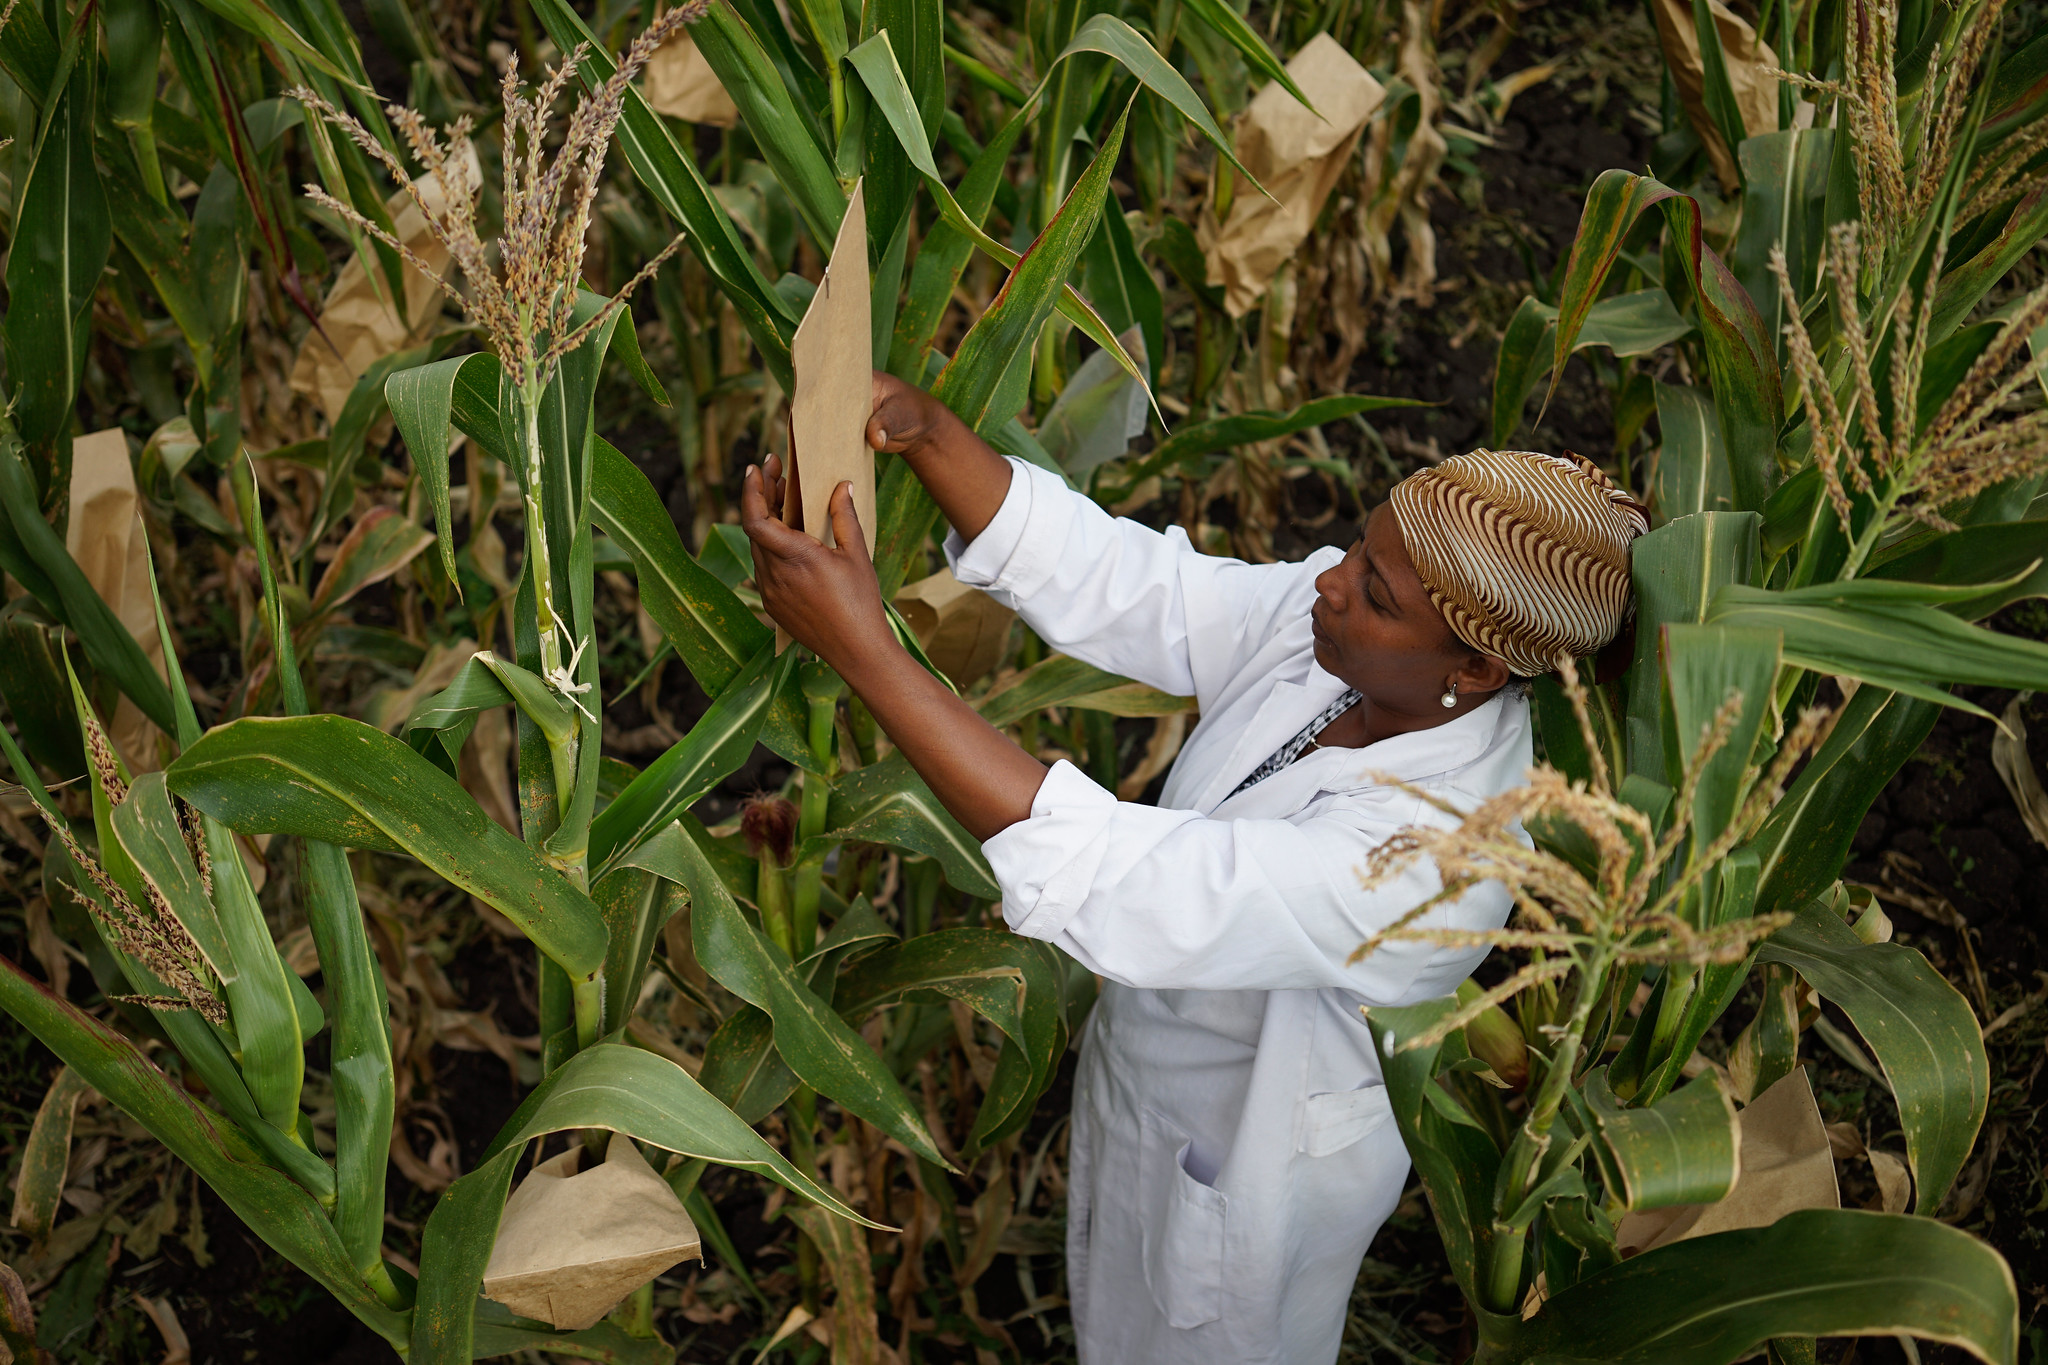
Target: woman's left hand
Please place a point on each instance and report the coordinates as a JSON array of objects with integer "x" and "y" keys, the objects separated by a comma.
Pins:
[{"x": 826, "y": 598}]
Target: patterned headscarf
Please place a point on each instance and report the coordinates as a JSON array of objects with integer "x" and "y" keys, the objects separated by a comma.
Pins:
[{"x": 1526, "y": 555}]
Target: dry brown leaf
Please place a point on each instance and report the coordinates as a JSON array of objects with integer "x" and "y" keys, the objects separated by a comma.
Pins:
[
  {"x": 1746, "y": 57},
  {"x": 105, "y": 536},
  {"x": 1298, "y": 155},
  {"x": 962, "y": 629},
  {"x": 2016, "y": 769},
  {"x": 571, "y": 1246},
  {"x": 1894, "y": 1182},
  {"x": 177, "y": 1347}
]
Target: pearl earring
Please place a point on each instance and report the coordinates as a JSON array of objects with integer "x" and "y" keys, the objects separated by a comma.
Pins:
[{"x": 1450, "y": 696}]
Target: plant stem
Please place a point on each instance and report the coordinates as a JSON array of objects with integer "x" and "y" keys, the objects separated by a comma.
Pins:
[
  {"x": 821, "y": 697},
  {"x": 542, "y": 567},
  {"x": 589, "y": 997},
  {"x": 1503, "y": 1280}
]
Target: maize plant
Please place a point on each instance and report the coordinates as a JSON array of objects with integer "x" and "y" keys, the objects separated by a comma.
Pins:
[
  {"x": 605, "y": 856},
  {"x": 1843, "y": 491}
]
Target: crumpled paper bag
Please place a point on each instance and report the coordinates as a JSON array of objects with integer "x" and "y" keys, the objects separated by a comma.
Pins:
[
  {"x": 1786, "y": 1164},
  {"x": 681, "y": 84},
  {"x": 357, "y": 315},
  {"x": 1298, "y": 157},
  {"x": 1746, "y": 57},
  {"x": 571, "y": 1246},
  {"x": 105, "y": 536},
  {"x": 962, "y": 629}
]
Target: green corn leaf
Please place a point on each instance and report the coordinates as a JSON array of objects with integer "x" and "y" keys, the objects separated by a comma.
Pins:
[
  {"x": 1716, "y": 93},
  {"x": 260, "y": 1000},
  {"x": 888, "y": 803},
  {"x": 278, "y": 1211},
  {"x": 1692, "y": 465},
  {"x": 1741, "y": 356},
  {"x": 671, "y": 176},
  {"x": 713, "y": 633},
  {"x": 343, "y": 782},
  {"x": 875, "y": 60},
  {"x": 1232, "y": 28},
  {"x": 742, "y": 1067},
  {"x": 1676, "y": 569},
  {"x": 1814, "y": 1273},
  {"x": 943, "y": 254},
  {"x": 420, "y": 399},
  {"x": 815, "y": 1043},
  {"x": 61, "y": 240},
  {"x": 2013, "y": 555},
  {"x": 1194, "y": 440},
  {"x": 1807, "y": 836},
  {"x": 636, "y": 905},
  {"x": 1058, "y": 680},
  {"x": 381, "y": 543},
  {"x": 1117, "y": 40},
  {"x": 501, "y": 1332},
  {"x": 1632, "y": 324},
  {"x": 260, "y": 21},
  {"x": 713, "y": 750},
  {"x": 113, "y": 651},
  {"x": 1964, "y": 285},
  {"x": 1680, "y": 1150},
  {"x": 626, "y": 346},
  {"x": 785, "y": 137},
  {"x": 1920, "y": 1028},
  {"x": 621, "y": 1089},
  {"x": 1703, "y": 666},
  {"x": 1890, "y": 634},
  {"x": 29, "y": 53},
  {"x": 1784, "y": 205},
  {"x": 146, "y": 827},
  {"x": 32, "y": 682},
  {"x": 46, "y": 1155}
]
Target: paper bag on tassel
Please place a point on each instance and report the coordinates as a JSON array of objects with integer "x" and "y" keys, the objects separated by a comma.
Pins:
[
  {"x": 832, "y": 357},
  {"x": 105, "y": 536},
  {"x": 1298, "y": 155},
  {"x": 1786, "y": 1164},
  {"x": 963, "y": 630},
  {"x": 681, "y": 84},
  {"x": 571, "y": 1246}
]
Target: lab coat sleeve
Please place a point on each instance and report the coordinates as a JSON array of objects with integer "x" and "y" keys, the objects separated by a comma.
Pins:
[
  {"x": 1170, "y": 900},
  {"x": 1122, "y": 596}
]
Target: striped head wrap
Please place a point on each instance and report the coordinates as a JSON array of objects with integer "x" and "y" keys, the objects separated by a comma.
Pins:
[{"x": 1526, "y": 555}]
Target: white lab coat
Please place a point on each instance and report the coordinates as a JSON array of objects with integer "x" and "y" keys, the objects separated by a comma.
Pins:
[{"x": 1233, "y": 1152}]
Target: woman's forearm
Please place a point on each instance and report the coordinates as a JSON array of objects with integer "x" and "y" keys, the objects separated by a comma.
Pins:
[
  {"x": 966, "y": 478},
  {"x": 977, "y": 772}
]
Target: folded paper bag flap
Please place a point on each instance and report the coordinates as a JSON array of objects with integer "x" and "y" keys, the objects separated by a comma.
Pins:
[{"x": 571, "y": 1246}]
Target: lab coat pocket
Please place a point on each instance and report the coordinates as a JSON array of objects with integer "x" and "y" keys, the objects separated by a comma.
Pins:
[
  {"x": 1183, "y": 1227},
  {"x": 1337, "y": 1119}
]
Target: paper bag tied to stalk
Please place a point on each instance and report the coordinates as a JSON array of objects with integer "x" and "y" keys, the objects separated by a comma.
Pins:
[
  {"x": 1298, "y": 155},
  {"x": 1744, "y": 55},
  {"x": 571, "y": 1246},
  {"x": 357, "y": 315},
  {"x": 1785, "y": 1164},
  {"x": 832, "y": 357},
  {"x": 963, "y": 630},
  {"x": 681, "y": 84},
  {"x": 105, "y": 536}
]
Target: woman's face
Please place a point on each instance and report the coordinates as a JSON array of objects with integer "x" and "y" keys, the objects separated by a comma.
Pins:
[{"x": 1376, "y": 628}]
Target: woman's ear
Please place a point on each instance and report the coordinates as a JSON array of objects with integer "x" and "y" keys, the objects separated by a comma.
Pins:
[{"x": 1482, "y": 674}]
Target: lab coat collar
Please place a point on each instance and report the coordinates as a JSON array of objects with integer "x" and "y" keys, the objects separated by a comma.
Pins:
[{"x": 1418, "y": 756}]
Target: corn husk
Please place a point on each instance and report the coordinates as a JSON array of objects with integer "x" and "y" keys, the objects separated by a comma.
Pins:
[
  {"x": 105, "y": 536},
  {"x": 1746, "y": 57},
  {"x": 357, "y": 315},
  {"x": 1298, "y": 156},
  {"x": 1787, "y": 1164},
  {"x": 571, "y": 1246},
  {"x": 963, "y": 630},
  {"x": 681, "y": 84}
]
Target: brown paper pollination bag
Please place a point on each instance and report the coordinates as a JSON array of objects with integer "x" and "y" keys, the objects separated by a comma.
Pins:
[
  {"x": 571, "y": 1246},
  {"x": 357, "y": 315},
  {"x": 1298, "y": 155},
  {"x": 832, "y": 358},
  {"x": 963, "y": 630},
  {"x": 105, "y": 536},
  {"x": 1744, "y": 56},
  {"x": 681, "y": 84},
  {"x": 1785, "y": 1164}
]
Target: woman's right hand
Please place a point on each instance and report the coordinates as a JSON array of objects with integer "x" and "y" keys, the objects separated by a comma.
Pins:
[
  {"x": 965, "y": 477},
  {"x": 905, "y": 419}
]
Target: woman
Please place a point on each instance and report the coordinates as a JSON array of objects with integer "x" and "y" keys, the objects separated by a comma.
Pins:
[{"x": 1231, "y": 1154}]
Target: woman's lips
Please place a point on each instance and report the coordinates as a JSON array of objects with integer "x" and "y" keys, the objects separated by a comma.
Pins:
[{"x": 1315, "y": 623}]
